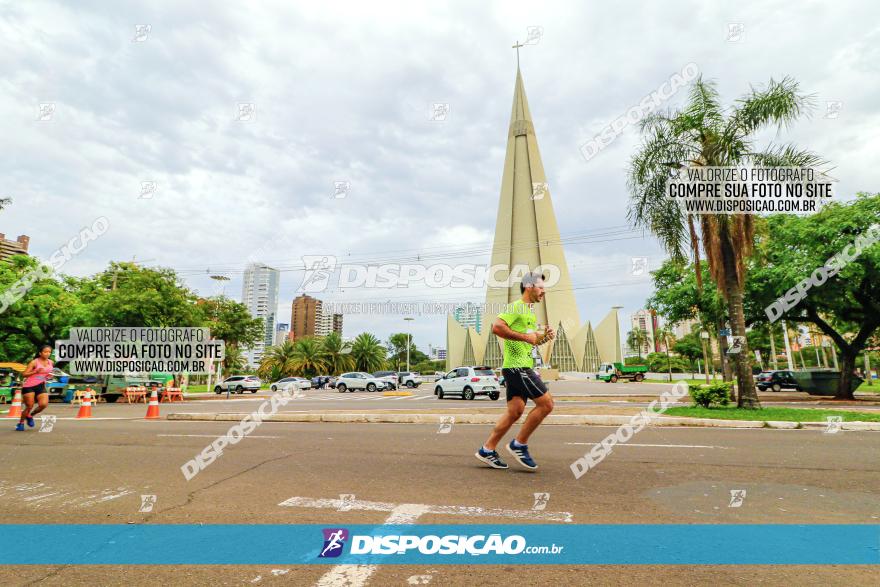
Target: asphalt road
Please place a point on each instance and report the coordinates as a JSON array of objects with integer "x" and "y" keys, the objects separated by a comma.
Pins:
[{"x": 95, "y": 471}]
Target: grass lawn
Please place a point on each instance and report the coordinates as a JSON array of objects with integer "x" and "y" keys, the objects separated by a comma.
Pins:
[
  {"x": 873, "y": 388},
  {"x": 772, "y": 413}
]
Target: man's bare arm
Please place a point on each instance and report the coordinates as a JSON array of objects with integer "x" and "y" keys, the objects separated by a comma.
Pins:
[{"x": 501, "y": 329}]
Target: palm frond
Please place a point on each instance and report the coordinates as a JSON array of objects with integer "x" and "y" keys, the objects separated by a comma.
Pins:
[{"x": 779, "y": 103}]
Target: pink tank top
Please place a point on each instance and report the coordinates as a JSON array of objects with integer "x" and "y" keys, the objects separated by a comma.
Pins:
[{"x": 40, "y": 376}]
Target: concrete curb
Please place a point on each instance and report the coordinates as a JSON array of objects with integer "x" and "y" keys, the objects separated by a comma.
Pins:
[{"x": 571, "y": 420}]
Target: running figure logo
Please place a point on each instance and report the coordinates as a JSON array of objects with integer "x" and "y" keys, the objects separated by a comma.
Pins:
[
  {"x": 47, "y": 423},
  {"x": 737, "y": 497},
  {"x": 317, "y": 273},
  {"x": 334, "y": 540}
]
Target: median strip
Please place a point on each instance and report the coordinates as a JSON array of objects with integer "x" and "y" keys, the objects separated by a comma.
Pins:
[{"x": 553, "y": 419}]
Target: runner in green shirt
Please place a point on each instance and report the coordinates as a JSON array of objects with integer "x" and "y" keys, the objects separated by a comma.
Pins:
[{"x": 517, "y": 325}]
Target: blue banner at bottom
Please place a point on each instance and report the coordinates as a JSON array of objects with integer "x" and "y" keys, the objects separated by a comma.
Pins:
[{"x": 568, "y": 544}]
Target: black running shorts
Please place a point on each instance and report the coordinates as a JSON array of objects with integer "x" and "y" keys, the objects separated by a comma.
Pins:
[
  {"x": 35, "y": 389},
  {"x": 523, "y": 382}
]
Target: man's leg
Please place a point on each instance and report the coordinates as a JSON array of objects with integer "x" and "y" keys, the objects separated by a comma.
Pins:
[
  {"x": 515, "y": 408},
  {"x": 542, "y": 409}
]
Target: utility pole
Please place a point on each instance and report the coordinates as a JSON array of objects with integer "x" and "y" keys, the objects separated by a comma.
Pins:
[{"x": 408, "y": 343}]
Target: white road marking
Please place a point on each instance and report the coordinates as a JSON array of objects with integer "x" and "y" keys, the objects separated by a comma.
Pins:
[
  {"x": 404, "y": 513},
  {"x": 212, "y": 436},
  {"x": 655, "y": 445}
]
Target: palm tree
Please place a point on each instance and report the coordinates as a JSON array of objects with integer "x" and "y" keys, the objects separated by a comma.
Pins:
[
  {"x": 704, "y": 134},
  {"x": 368, "y": 353},
  {"x": 636, "y": 340},
  {"x": 336, "y": 354},
  {"x": 233, "y": 360},
  {"x": 308, "y": 357},
  {"x": 665, "y": 334},
  {"x": 278, "y": 362}
]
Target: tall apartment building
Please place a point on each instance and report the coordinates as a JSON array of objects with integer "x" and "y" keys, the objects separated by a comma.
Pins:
[
  {"x": 17, "y": 247},
  {"x": 307, "y": 318},
  {"x": 469, "y": 315},
  {"x": 647, "y": 321},
  {"x": 282, "y": 333},
  {"x": 304, "y": 315},
  {"x": 259, "y": 293},
  {"x": 326, "y": 323}
]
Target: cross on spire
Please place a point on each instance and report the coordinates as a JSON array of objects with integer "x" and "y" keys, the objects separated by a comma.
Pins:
[{"x": 517, "y": 46}]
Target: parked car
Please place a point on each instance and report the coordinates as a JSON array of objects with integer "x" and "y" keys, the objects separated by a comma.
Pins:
[
  {"x": 389, "y": 377},
  {"x": 776, "y": 381},
  {"x": 295, "y": 382},
  {"x": 238, "y": 384},
  {"x": 468, "y": 382},
  {"x": 359, "y": 380},
  {"x": 410, "y": 379}
]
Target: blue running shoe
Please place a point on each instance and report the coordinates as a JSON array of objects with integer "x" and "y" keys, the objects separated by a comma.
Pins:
[
  {"x": 522, "y": 456},
  {"x": 19, "y": 427},
  {"x": 30, "y": 422},
  {"x": 491, "y": 458}
]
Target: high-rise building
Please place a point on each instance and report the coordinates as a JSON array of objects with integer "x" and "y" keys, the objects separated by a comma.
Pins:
[
  {"x": 17, "y": 247},
  {"x": 684, "y": 328},
  {"x": 282, "y": 333},
  {"x": 326, "y": 323},
  {"x": 259, "y": 293},
  {"x": 647, "y": 321},
  {"x": 469, "y": 315},
  {"x": 305, "y": 314},
  {"x": 307, "y": 318},
  {"x": 527, "y": 236}
]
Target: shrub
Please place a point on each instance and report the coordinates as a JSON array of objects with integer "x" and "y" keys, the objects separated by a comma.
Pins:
[{"x": 717, "y": 393}]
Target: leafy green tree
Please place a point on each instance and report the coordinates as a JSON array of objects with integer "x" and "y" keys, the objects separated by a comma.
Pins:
[
  {"x": 128, "y": 295},
  {"x": 681, "y": 294},
  {"x": 704, "y": 133},
  {"x": 44, "y": 314},
  {"x": 659, "y": 362},
  {"x": 230, "y": 321},
  {"x": 368, "y": 353},
  {"x": 689, "y": 346},
  {"x": 336, "y": 354},
  {"x": 846, "y": 307},
  {"x": 396, "y": 345}
]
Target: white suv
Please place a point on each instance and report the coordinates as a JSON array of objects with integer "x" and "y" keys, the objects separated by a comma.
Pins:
[
  {"x": 359, "y": 380},
  {"x": 468, "y": 382},
  {"x": 409, "y": 378},
  {"x": 238, "y": 384}
]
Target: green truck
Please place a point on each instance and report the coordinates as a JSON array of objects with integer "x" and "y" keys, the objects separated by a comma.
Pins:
[{"x": 611, "y": 372}]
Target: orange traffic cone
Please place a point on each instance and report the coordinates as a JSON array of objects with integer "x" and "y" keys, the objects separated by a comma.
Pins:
[
  {"x": 85, "y": 408},
  {"x": 153, "y": 408},
  {"x": 15, "y": 409}
]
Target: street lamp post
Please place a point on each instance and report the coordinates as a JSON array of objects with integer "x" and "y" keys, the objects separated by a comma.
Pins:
[
  {"x": 408, "y": 343},
  {"x": 219, "y": 279}
]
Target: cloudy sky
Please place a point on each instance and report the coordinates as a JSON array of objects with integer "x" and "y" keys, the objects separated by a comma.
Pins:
[{"x": 343, "y": 92}]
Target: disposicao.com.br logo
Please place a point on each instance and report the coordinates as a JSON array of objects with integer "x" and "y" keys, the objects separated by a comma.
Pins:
[{"x": 476, "y": 545}]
